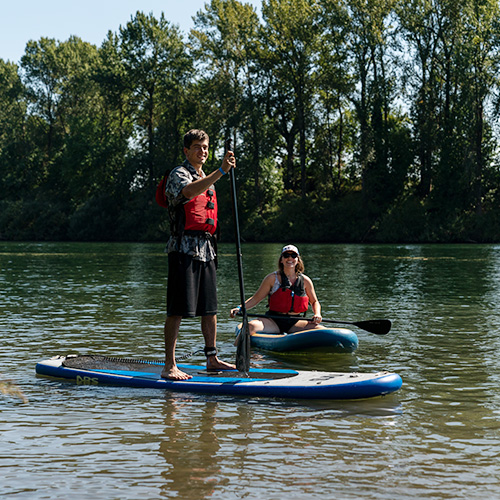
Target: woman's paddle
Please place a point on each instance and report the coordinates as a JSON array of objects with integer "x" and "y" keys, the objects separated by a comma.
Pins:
[
  {"x": 243, "y": 340},
  {"x": 378, "y": 326}
]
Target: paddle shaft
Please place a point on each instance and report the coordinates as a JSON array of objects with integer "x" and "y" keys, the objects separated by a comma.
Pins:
[
  {"x": 237, "y": 234},
  {"x": 243, "y": 351},
  {"x": 377, "y": 326}
]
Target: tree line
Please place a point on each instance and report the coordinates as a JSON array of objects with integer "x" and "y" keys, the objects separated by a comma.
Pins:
[{"x": 353, "y": 121}]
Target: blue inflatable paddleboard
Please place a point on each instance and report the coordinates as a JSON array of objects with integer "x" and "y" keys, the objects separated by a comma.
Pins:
[
  {"x": 272, "y": 383},
  {"x": 324, "y": 339}
]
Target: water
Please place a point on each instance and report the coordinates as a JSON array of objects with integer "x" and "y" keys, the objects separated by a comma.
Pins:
[{"x": 438, "y": 437}]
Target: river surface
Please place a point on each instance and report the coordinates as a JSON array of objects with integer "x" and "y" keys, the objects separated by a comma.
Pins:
[{"x": 438, "y": 437}]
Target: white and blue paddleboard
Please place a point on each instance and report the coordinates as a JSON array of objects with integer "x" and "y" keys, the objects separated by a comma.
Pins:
[
  {"x": 323, "y": 339},
  {"x": 273, "y": 383}
]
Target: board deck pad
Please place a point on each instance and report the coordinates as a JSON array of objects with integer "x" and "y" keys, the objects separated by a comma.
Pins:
[{"x": 112, "y": 364}]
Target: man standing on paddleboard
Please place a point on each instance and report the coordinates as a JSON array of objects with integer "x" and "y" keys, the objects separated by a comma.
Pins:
[{"x": 192, "y": 250}]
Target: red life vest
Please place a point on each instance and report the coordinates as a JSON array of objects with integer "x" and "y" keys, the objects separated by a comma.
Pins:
[
  {"x": 289, "y": 298},
  {"x": 201, "y": 213}
]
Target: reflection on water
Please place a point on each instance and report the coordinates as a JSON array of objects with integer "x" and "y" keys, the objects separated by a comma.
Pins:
[
  {"x": 438, "y": 437},
  {"x": 190, "y": 451},
  {"x": 216, "y": 447}
]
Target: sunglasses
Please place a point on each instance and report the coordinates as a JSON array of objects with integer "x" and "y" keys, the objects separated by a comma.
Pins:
[{"x": 293, "y": 255}]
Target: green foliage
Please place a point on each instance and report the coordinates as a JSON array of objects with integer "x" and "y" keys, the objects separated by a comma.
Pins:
[
  {"x": 405, "y": 222},
  {"x": 32, "y": 220},
  {"x": 352, "y": 121}
]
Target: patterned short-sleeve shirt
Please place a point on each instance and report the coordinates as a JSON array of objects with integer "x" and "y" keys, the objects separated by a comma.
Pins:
[{"x": 199, "y": 246}]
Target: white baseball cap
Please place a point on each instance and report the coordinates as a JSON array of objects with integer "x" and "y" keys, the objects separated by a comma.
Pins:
[{"x": 290, "y": 248}]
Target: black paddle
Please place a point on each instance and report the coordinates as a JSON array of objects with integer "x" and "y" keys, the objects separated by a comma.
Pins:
[
  {"x": 243, "y": 340},
  {"x": 378, "y": 326}
]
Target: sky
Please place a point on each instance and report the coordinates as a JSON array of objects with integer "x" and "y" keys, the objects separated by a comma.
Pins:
[{"x": 24, "y": 20}]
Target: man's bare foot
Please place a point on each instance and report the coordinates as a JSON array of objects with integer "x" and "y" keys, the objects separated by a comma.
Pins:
[
  {"x": 214, "y": 364},
  {"x": 174, "y": 373}
]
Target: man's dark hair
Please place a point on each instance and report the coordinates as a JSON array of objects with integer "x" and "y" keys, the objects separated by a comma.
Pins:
[{"x": 194, "y": 135}]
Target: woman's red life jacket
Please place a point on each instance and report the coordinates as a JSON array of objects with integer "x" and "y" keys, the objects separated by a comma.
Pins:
[
  {"x": 289, "y": 298},
  {"x": 201, "y": 213}
]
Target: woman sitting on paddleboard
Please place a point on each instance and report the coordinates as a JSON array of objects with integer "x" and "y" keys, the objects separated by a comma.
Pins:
[{"x": 290, "y": 293}]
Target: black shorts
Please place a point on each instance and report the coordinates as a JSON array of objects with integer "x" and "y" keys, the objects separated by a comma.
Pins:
[
  {"x": 192, "y": 286},
  {"x": 284, "y": 323}
]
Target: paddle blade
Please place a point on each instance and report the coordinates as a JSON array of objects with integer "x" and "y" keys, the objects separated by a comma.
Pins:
[
  {"x": 377, "y": 326},
  {"x": 243, "y": 348}
]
